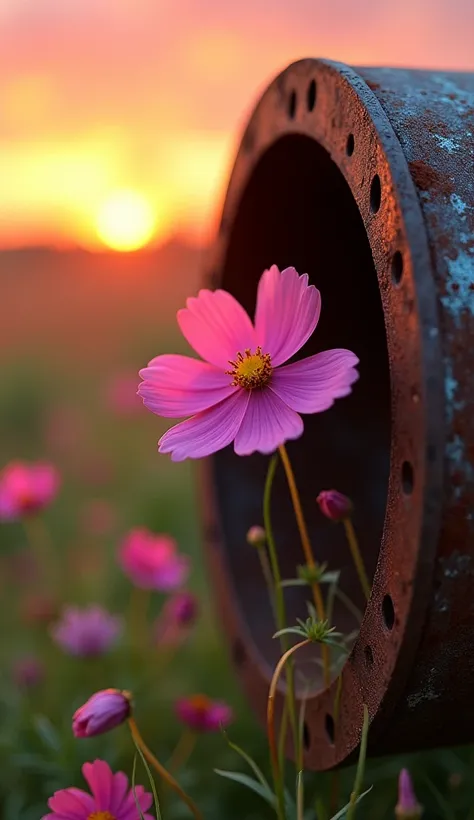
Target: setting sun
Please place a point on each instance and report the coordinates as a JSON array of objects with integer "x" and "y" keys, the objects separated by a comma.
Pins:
[{"x": 126, "y": 221}]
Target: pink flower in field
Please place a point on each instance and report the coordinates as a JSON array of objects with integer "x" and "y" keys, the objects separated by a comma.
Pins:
[
  {"x": 152, "y": 561},
  {"x": 201, "y": 714},
  {"x": 111, "y": 798},
  {"x": 407, "y": 807},
  {"x": 87, "y": 632},
  {"x": 103, "y": 711},
  {"x": 121, "y": 395},
  {"x": 240, "y": 392},
  {"x": 334, "y": 505},
  {"x": 28, "y": 672},
  {"x": 26, "y": 489},
  {"x": 176, "y": 620}
]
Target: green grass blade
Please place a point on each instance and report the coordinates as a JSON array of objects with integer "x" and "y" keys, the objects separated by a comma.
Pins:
[
  {"x": 250, "y": 783},
  {"x": 152, "y": 782}
]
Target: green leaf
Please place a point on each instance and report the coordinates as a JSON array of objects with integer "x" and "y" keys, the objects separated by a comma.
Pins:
[
  {"x": 290, "y": 630},
  {"x": 256, "y": 770},
  {"x": 152, "y": 782},
  {"x": 294, "y": 582},
  {"x": 343, "y": 812},
  {"x": 299, "y": 796},
  {"x": 250, "y": 783},
  {"x": 134, "y": 770}
]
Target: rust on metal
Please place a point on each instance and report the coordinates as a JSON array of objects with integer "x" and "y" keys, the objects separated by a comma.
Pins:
[{"x": 363, "y": 178}]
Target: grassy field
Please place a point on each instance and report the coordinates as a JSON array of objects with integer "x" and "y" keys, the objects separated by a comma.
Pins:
[{"x": 70, "y": 324}]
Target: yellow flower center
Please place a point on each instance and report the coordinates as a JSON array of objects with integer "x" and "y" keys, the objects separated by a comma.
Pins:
[
  {"x": 251, "y": 370},
  {"x": 201, "y": 703},
  {"x": 101, "y": 815}
]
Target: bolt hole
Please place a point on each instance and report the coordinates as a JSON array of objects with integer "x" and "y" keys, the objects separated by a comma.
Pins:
[
  {"x": 311, "y": 98},
  {"x": 397, "y": 268},
  {"x": 239, "y": 654},
  {"x": 330, "y": 728},
  {"x": 369, "y": 655},
  {"x": 350, "y": 145},
  {"x": 407, "y": 478},
  {"x": 292, "y": 105},
  {"x": 388, "y": 612},
  {"x": 375, "y": 194},
  {"x": 306, "y": 736}
]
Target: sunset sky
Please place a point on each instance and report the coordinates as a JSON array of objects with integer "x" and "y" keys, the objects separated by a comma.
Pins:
[{"x": 125, "y": 113}]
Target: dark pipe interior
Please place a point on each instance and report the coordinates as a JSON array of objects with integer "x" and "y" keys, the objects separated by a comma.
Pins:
[{"x": 297, "y": 209}]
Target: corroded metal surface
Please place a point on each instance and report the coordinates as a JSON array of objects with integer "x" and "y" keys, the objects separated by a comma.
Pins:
[{"x": 364, "y": 179}]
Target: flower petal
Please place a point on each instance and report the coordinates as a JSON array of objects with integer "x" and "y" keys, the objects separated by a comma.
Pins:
[
  {"x": 287, "y": 312},
  {"x": 207, "y": 432},
  {"x": 72, "y": 803},
  {"x": 119, "y": 792},
  {"x": 128, "y": 809},
  {"x": 268, "y": 422},
  {"x": 176, "y": 386},
  {"x": 100, "y": 779},
  {"x": 216, "y": 326},
  {"x": 311, "y": 385}
]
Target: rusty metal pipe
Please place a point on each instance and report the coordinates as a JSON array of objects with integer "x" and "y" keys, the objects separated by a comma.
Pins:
[{"x": 365, "y": 179}]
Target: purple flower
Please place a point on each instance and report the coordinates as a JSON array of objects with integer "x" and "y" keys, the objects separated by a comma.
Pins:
[
  {"x": 103, "y": 711},
  {"x": 87, "y": 632},
  {"x": 407, "y": 807},
  {"x": 111, "y": 798},
  {"x": 334, "y": 505},
  {"x": 176, "y": 620},
  {"x": 201, "y": 714},
  {"x": 26, "y": 489},
  {"x": 28, "y": 672},
  {"x": 243, "y": 391}
]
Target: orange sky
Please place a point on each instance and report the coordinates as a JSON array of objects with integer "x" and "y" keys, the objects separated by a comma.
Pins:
[{"x": 149, "y": 95}]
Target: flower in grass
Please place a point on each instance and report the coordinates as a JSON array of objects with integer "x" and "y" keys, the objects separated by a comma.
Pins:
[
  {"x": 111, "y": 799},
  {"x": 201, "y": 714},
  {"x": 103, "y": 711},
  {"x": 240, "y": 392},
  {"x": 87, "y": 632},
  {"x": 176, "y": 619},
  {"x": 152, "y": 561},
  {"x": 407, "y": 807},
  {"x": 26, "y": 489},
  {"x": 28, "y": 672},
  {"x": 335, "y": 505}
]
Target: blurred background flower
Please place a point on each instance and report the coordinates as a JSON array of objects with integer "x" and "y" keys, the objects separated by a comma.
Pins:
[{"x": 87, "y": 632}]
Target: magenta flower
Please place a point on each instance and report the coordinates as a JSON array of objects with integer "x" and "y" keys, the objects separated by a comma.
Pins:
[
  {"x": 28, "y": 672},
  {"x": 407, "y": 807},
  {"x": 111, "y": 798},
  {"x": 240, "y": 392},
  {"x": 103, "y": 711},
  {"x": 152, "y": 561},
  {"x": 26, "y": 489},
  {"x": 334, "y": 505},
  {"x": 87, "y": 632},
  {"x": 176, "y": 620},
  {"x": 201, "y": 714}
]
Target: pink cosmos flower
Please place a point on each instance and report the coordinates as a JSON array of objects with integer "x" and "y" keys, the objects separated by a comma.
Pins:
[
  {"x": 26, "y": 489},
  {"x": 87, "y": 632},
  {"x": 335, "y": 505},
  {"x": 202, "y": 714},
  {"x": 407, "y": 807},
  {"x": 176, "y": 620},
  {"x": 103, "y": 711},
  {"x": 240, "y": 392},
  {"x": 111, "y": 798},
  {"x": 152, "y": 561}
]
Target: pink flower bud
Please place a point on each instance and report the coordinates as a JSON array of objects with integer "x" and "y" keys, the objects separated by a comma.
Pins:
[
  {"x": 407, "y": 807},
  {"x": 256, "y": 537},
  {"x": 103, "y": 711},
  {"x": 334, "y": 505}
]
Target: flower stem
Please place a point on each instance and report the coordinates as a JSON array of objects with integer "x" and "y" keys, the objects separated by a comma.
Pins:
[
  {"x": 308, "y": 552},
  {"x": 267, "y": 574},
  {"x": 139, "y": 602},
  {"x": 182, "y": 751},
  {"x": 359, "y": 778},
  {"x": 167, "y": 777},
  {"x": 279, "y": 604},
  {"x": 357, "y": 557},
  {"x": 277, "y": 776}
]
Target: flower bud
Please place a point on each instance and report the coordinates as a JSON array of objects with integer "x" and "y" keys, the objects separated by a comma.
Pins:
[
  {"x": 103, "y": 711},
  {"x": 407, "y": 807},
  {"x": 257, "y": 537},
  {"x": 334, "y": 505}
]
